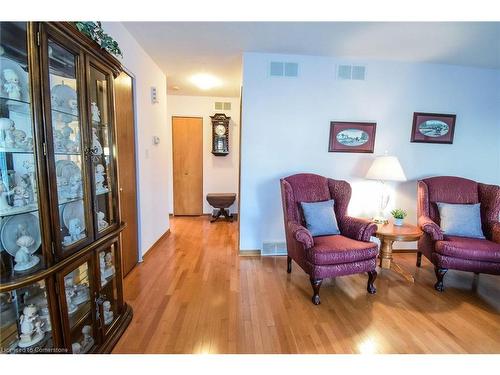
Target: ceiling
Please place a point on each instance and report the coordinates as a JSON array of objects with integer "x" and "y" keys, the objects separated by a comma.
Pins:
[{"x": 182, "y": 49}]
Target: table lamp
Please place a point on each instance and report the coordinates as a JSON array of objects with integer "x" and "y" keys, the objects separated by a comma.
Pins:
[{"x": 385, "y": 168}]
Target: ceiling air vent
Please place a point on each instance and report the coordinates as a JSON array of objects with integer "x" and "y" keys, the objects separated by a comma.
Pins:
[
  {"x": 283, "y": 69},
  {"x": 351, "y": 72}
]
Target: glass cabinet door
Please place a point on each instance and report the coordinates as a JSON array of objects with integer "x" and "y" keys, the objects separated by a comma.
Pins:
[
  {"x": 102, "y": 152},
  {"x": 20, "y": 234},
  {"x": 66, "y": 132},
  {"x": 77, "y": 308},
  {"x": 25, "y": 322},
  {"x": 109, "y": 294}
]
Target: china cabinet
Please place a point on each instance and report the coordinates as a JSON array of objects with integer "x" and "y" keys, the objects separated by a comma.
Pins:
[{"x": 61, "y": 278}]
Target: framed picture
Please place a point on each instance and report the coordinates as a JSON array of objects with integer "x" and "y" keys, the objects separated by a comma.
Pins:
[
  {"x": 433, "y": 128},
  {"x": 352, "y": 136}
]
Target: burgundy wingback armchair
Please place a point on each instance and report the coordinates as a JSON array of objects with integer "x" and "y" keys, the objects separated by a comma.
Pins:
[
  {"x": 453, "y": 252},
  {"x": 322, "y": 257}
]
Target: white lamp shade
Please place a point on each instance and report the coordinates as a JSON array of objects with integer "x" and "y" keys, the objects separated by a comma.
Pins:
[{"x": 386, "y": 168}]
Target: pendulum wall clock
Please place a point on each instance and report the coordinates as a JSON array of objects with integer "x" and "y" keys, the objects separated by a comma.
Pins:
[{"x": 220, "y": 134}]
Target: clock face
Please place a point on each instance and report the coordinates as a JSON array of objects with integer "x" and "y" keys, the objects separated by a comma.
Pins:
[{"x": 220, "y": 130}]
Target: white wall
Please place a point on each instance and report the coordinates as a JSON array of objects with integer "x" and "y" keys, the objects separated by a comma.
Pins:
[
  {"x": 285, "y": 128},
  {"x": 220, "y": 173},
  {"x": 151, "y": 120}
]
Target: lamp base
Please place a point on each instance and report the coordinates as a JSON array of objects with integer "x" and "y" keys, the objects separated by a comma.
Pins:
[{"x": 380, "y": 220}]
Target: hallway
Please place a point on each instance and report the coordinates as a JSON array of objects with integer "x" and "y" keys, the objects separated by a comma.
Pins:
[{"x": 194, "y": 294}]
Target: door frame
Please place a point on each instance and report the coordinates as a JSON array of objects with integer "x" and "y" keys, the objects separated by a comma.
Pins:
[{"x": 202, "y": 161}]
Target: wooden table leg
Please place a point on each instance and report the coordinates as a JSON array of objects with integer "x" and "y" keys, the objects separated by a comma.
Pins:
[
  {"x": 387, "y": 262},
  {"x": 386, "y": 253}
]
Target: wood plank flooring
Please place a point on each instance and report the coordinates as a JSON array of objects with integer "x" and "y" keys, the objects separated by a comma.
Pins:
[{"x": 194, "y": 294}]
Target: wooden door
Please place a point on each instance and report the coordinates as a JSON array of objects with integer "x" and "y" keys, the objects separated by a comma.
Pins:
[
  {"x": 125, "y": 131},
  {"x": 187, "y": 148}
]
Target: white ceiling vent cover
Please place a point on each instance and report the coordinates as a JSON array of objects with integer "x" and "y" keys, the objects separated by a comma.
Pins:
[
  {"x": 283, "y": 69},
  {"x": 351, "y": 72}
]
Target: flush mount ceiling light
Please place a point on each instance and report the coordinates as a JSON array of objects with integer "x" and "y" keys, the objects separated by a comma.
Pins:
[{"x": 205, "y": 81}]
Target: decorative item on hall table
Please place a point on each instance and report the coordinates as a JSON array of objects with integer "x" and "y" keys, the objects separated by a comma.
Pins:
[
  {"x": 352, "y": 136},
  {"x": 385, "y": 168},
  {"x": 220, "y": 134},
  {"x": 399, "y": 215},
  {"x": 433, "y": 128}
]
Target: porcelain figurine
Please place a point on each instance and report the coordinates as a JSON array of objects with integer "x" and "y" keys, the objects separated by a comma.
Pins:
[
  {"x": 100, "y": 180},
  {"x": 102, "y": 267},
  {"x": 19, "y": 198},
  {"x": 96, "y": 114},
  {"x": 11, "y": 85},
  {"x": 75, "y": 187},
  {"x": 45, "y": 318},
  {"x": 101, "y": 223},
  {"x": 75, "y": 231},
  {"x": 70, "y": 293},
  {"x": 108, "y": 314},
  {"x": 109, "y": 268},
  {"x": 76, "y": 348},
  {"x": 4, "y": 194},
  {"x": 24, "y": 259},
  {"x": 88, "y": 341},
  {"x": 31, "y": 327},
  {"x": 96, "y": 145},
  {"x": 82, "y": 294},
  {"x": 73, "y": 104},
  {"x": 6, "y": 124},
  {"x": 27, "y": 185}
]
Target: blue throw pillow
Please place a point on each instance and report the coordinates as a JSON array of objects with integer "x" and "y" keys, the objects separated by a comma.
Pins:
[
  {"x": 320, "y": 218},
  {"x": 462, "y": 220}
]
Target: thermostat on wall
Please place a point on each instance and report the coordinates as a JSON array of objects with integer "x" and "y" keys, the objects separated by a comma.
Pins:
[
  {"x": 154, "y": 97},
  {"x": 156, "y": 140}
]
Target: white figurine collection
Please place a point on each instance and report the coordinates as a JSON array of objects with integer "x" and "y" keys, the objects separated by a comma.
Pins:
[
  {"x": 19, "y": 196},
  {"x": 69, "y": 180},
  {"x": 87, "y": 342},
  {"x": 108, "y": 313},
  {"x": 13, "y": 138},
  {"x": 24, "y": 258},
  {"x": 12, "y": 85},
  {"x": 106, "y": 266},
  {"x": 101, "y": 223},
  {"x": 100, "y": 179},
  {"x": 75, "y": 294},
  {"x": 76, "y": 231},
  {"x": 31, "y": 327}
]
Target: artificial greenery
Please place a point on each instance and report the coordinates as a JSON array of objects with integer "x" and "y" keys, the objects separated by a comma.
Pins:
[
  {"x": 398, "y": 213},
  {"x": 95, "y": 32}
]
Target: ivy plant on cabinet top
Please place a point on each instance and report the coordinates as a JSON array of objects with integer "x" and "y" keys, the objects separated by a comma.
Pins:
[{"x": 95, "y": 32}]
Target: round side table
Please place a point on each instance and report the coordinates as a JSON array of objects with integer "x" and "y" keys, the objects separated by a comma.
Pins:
[{"x": 388, "y": 233}]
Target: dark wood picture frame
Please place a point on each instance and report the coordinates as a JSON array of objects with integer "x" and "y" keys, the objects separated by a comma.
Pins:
[
  {"x": 351, "y": 142},
  {"x": 428, "y": 128}
]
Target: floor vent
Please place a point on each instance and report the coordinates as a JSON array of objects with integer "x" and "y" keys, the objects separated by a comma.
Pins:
[
  {"x": 351, "y": 72},
  {"x": 273, "y": 248}
]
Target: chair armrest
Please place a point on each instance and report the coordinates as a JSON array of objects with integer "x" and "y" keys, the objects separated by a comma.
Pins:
[
  {"x": 357, "y": 228},
  {"x": 495, "y": 232},
  {"x": 301, "y": 234},
  {"x": 430, "y": 227}
]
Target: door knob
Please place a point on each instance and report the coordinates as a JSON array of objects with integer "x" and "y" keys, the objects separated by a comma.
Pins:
[{"x": 121, "y": 190}]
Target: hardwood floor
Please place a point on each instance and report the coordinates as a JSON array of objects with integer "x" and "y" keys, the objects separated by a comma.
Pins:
[{"x": 194, "y": 294}]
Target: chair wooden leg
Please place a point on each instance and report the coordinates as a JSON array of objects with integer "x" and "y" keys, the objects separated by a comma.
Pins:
[
  {"x": 289, "y": 265},
  {"x": 316, "y": 284},
  {"x": 372, "y": 275},
  {"x": 440, "y": 272},
  {"x": 419, "y": 258}
]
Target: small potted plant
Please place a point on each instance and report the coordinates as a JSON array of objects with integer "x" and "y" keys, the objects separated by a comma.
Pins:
[{"x": 399, "y": 215}]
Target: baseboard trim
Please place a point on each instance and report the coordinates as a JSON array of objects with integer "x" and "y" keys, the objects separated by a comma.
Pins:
[
  {"x": 157, "y": 242},
  {"x": 249, "y": 253}
]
